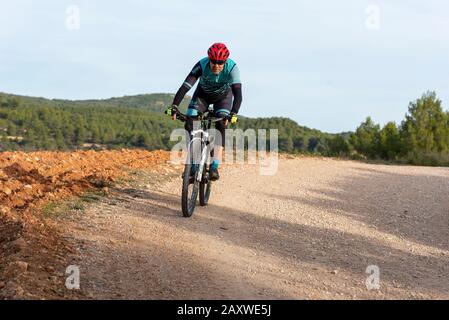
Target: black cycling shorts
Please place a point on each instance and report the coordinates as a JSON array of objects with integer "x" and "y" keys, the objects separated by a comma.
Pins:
[{"x": 200, "y": 103}]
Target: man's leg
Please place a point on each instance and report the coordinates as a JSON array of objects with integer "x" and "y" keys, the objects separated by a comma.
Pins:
[
  {"x": 218, "y": 149},
  {"x": 197, "y": 104},
  {"x": 221, "y": 108}
]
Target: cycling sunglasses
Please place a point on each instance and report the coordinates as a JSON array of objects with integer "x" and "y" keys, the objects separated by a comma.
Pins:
[{"x": 219, "y": 62}]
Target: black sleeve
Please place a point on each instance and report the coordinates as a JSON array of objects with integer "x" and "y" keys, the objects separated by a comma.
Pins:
[
  {"x": 188, "y": 83},
  {"x": 237, "y": 92}
]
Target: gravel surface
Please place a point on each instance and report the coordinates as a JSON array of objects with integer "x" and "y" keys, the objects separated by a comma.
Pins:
[{"x": 308, "y": 232}]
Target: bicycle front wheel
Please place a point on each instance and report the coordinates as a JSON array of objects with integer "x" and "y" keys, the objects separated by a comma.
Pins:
[
  {"x": 189, "y": 191},
  {"x": 205, "y": 189}
]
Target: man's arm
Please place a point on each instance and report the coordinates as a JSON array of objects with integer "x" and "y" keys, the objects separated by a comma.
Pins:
[
  {"x": 237, "y": 92},
  {"x": 236, "y": 86},
  {"x": 188, "y": 83}
]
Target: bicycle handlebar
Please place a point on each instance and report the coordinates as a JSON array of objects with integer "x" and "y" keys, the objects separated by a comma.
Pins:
[{"x": 183, "y": 117}]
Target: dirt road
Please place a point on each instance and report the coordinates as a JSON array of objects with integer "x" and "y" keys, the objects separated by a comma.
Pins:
[{"x": 308, "y": 232}]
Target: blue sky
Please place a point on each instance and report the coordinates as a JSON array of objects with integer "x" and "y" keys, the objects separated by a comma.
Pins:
[{"x": 316, "y": 62}]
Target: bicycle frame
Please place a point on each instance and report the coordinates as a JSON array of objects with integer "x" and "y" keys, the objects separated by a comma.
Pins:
[
  {"x": 199, "y": 148},
  {"x": 201, "y": 136}
]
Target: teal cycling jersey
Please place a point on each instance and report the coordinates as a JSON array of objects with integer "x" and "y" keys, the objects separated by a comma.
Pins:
[{"x": 214, "y": 85}]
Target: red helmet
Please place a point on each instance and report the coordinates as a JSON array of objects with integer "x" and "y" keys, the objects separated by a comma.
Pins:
[{"x": 218, "y": 51}]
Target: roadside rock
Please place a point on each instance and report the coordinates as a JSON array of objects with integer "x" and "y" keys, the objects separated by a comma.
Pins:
[
  {"x": 50, "y": 269},
  {"x": 4, "y": 210},
  {"x": 13, "y": 290},
  {"x": 19, "y": 244},
  {"x": 15, "y": 268}
]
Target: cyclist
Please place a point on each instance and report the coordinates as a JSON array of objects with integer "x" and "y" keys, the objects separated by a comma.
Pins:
[{"x": 219, "y": 83}]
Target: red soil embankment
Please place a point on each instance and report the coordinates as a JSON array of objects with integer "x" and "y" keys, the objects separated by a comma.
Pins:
[{"x": 29, "y": 245}]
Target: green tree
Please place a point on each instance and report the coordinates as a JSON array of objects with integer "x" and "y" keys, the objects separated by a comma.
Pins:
[
  {"x": 338, "y": 146},
  {"x": 425, "y": 126},
  {"x": 12, "y": 129},
  {"x": 366, "y": 138},
  {"x": 59, "y": 140},
  {"x": 299, "y": 143},
  {"x": 390, "y": 142},
  {"x": 80, "y": 135},
  {"x": 286, "y": 144}
]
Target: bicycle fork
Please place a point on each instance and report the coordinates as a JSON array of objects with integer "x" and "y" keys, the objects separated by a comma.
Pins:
[{"x": 204, "y": 141}]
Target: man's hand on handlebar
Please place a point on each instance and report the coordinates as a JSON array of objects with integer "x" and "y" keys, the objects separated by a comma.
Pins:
[
  {"x": 172, "y": 111},
  {"x": 232, "y": 118}
]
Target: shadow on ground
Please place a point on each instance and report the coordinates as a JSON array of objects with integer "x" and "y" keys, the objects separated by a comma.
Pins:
[
  {"x": 414, "y": 207},
  {"x": 328, "y": 248}
]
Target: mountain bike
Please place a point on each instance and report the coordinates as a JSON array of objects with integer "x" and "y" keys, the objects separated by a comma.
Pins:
[{"x": 196, "y": 179}]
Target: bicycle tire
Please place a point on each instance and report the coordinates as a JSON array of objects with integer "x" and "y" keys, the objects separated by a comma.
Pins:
[
  {"x": 188, "y": 201},
  {"x": 205, "y": 190}
]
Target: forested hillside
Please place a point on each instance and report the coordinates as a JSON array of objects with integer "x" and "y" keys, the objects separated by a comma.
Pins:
[{"x": 28, "y": 123}]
